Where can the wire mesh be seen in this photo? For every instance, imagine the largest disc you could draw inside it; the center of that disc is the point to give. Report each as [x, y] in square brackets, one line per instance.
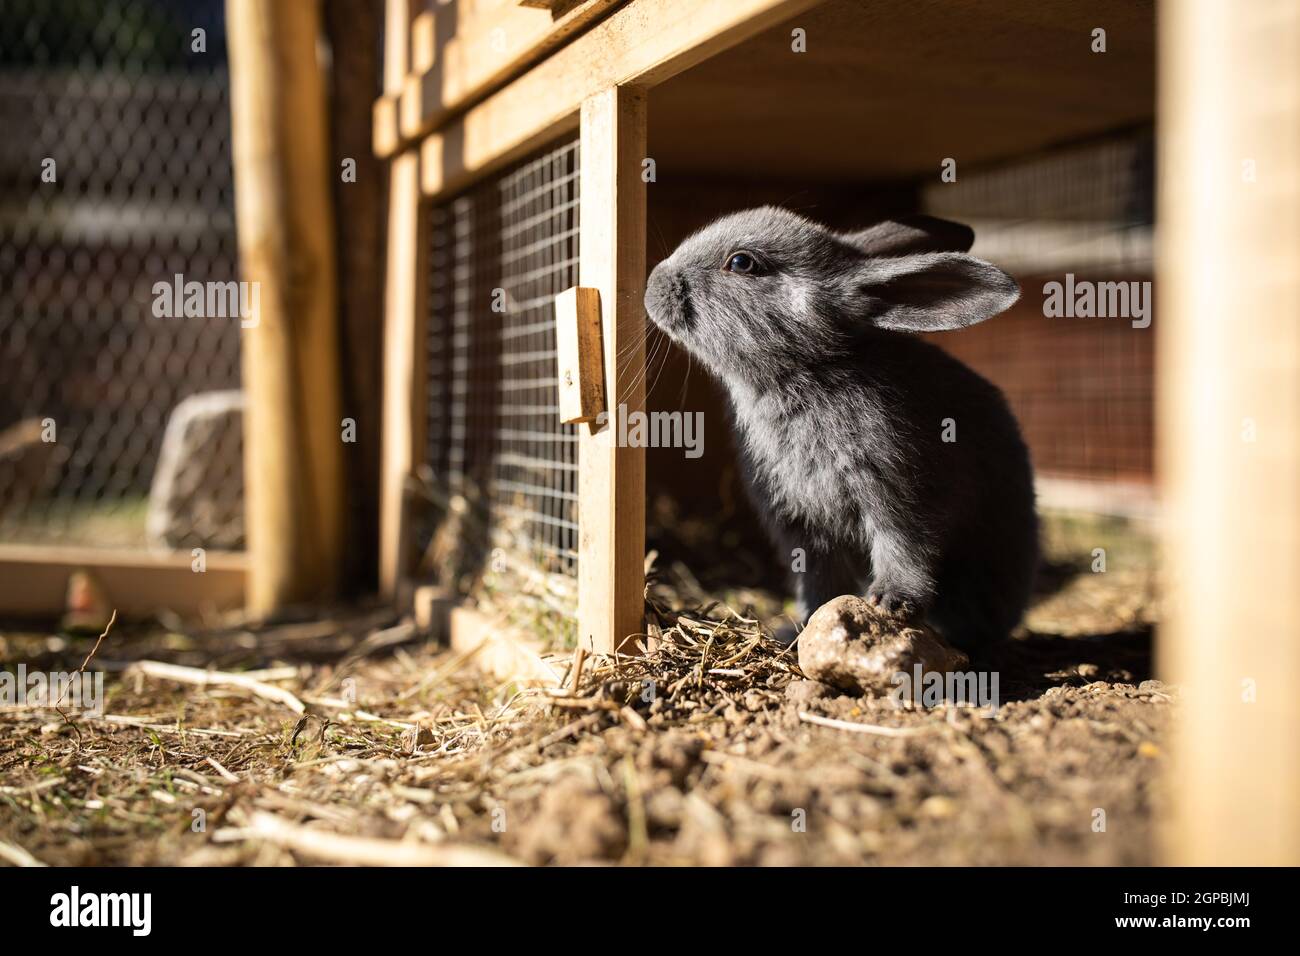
[502, 468]
[115, 175]
[1082, 388]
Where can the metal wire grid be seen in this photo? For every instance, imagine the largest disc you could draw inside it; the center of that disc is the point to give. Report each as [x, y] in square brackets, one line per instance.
[1082, 388]
[137, 126]
[498, 257]
[536, 480]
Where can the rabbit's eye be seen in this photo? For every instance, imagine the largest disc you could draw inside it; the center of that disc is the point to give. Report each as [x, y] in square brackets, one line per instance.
[741, 262]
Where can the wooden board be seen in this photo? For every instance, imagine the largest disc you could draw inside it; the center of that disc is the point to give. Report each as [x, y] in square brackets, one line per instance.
[1228, 269]
[611, 479]
[34, 580]
[643, 42]
[404, 320]
[502, 652]
[579, 364]
[885, 91]
[888, 89]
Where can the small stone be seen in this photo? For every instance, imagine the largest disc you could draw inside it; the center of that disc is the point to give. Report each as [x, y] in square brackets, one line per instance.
[26, 456]
[197, 496]
[936, 808]
[663, 807]
[852, 645]
[413, 738]
[88, 609]
[1088, 671]
[803, 691]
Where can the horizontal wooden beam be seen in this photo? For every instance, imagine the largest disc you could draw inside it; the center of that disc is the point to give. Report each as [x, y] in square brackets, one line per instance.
[642, 43]
[504, 653]
[34, 580]
[484, 53]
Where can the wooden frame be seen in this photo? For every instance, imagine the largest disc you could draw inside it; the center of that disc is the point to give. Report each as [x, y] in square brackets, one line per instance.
[404, 318]
[596, 83]
[643, 43]
[438, 75]
[611, 479]
[397, 60]
[1226, 248]
[506, 655]
[34, 580]
[482, 54]
[404, 308]
[498, 651]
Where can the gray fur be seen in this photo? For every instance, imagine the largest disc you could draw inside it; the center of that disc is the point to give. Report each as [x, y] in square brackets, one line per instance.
[839, 412]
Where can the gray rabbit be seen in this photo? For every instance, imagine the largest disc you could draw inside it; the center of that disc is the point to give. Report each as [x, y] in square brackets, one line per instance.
[890, 468]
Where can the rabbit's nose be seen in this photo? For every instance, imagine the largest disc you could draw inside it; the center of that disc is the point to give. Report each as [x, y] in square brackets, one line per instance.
[659, 294]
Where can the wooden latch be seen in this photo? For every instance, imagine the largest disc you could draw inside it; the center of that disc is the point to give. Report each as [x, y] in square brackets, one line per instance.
[579, 358]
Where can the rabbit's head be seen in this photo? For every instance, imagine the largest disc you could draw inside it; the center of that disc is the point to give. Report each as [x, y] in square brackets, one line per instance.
[764, 291]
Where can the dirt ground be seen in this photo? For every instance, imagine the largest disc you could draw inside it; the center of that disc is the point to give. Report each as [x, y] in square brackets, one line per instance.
[406, 755]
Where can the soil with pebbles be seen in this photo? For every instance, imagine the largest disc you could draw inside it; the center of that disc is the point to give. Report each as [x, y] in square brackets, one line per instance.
[705, 752]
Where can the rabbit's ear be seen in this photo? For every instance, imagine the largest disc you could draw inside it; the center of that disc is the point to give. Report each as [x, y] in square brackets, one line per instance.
[933, 292]
[908, 235]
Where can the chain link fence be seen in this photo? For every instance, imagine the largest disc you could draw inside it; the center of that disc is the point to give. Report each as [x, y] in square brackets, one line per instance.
[115, 190]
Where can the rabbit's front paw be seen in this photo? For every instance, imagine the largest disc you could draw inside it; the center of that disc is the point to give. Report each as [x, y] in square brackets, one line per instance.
[891, 599]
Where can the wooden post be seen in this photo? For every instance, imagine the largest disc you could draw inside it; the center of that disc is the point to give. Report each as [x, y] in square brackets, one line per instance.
[1229, 425]
[353, 29]
[292, 449]
[611, 480]
[404, 303]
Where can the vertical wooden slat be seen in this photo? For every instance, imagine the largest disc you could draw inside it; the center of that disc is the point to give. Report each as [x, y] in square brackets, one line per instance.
[385, 133]
[290, 358]
[1229, 425]
[397, 44]
[353, 28]
[404, 300]
[404, 306]
[611, 480]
